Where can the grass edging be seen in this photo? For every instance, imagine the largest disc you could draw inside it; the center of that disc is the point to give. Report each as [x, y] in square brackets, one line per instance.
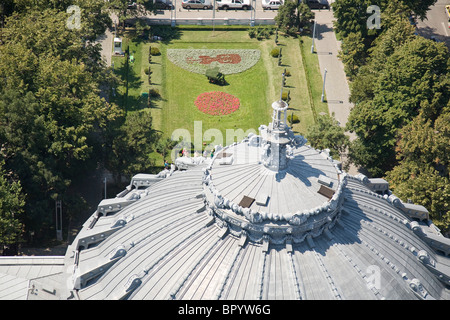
[308, 84]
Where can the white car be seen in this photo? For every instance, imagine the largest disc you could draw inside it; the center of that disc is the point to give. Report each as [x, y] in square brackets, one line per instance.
[233, 4]
[272, 4]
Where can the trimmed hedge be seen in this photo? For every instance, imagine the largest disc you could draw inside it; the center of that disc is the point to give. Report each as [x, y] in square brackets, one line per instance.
[275, 52]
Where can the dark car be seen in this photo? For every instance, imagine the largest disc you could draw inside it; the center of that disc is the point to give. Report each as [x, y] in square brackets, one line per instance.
[317, 4]
[162, 4]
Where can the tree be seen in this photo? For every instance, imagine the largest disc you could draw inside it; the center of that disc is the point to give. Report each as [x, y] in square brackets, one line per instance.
[132, 145]
[305, 16]
[419, 7]
[426, 142]
[94, 13]
[353, 54]
[165, 146]
[291, 17]
[51, 114]
[287, 18]
[327, 134]
[424, 186]
[411, 80]
[351, 16]
[11, 208]
[124, 10]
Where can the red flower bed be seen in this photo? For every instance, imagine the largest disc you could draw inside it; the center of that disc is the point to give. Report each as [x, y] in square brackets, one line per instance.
[217, 103]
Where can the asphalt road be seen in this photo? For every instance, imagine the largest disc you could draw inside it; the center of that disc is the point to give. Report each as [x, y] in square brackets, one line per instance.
[437, 24]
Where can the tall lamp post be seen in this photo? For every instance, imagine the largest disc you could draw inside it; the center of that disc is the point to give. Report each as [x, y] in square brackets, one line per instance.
[104, 181]
[174, 14]
[323, 87]
[214, 14]
[314, 34]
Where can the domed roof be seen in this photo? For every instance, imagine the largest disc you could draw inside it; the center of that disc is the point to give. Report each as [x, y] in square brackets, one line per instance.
[266, 218]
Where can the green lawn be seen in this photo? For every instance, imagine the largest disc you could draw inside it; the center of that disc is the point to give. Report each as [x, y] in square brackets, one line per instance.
[256, 88]
[314, 75]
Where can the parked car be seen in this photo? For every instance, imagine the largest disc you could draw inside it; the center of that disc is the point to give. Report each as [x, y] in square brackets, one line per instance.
[272, 4]
[317, 4]
[163, 4]
[196, 4]
[233, 4]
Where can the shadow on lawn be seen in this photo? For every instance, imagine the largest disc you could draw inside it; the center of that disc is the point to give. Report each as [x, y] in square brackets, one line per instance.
[166, 33]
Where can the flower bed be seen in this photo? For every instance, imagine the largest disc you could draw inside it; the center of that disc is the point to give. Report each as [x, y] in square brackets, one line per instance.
[217, 103]
[229, 61]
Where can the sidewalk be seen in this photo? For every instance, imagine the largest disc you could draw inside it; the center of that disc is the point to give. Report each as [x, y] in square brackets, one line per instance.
[106, 40]
[337, 91]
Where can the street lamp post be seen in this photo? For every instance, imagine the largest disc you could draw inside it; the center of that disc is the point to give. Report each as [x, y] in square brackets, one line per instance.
[214, 15]
[174, 14]
[58, 220]
[104, 181]
[314, 34]
[323, 87]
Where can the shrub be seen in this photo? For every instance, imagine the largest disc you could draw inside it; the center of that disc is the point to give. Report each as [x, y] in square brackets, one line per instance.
[287, 73]
[146, 70]
[252, 32]
[275, 52]
[154, 51]
[286, 96]
[260, 32]
[154, 93]
[293, 118]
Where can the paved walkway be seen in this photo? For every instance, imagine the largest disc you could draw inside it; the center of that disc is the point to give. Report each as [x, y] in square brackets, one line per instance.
[337, 91]
[106, 40]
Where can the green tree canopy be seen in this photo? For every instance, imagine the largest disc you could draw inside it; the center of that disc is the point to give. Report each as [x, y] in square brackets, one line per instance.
[413, 79]
[351, 15]
[11, 209]
[51, 113]
[132, 145]
[327, 134]
[291, 17]
[94, 13]
[353, 54]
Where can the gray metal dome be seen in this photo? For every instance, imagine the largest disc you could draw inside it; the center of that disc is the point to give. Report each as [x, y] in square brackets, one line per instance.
[232, 227]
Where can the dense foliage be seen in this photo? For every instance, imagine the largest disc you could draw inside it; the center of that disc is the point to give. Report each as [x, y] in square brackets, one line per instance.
[293, 17]
[328, 134]
[400, 89]
[55, 123]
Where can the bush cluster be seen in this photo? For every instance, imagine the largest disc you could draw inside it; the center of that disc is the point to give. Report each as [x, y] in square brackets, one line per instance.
[275, 52]
[286, 96]
[154, 51]
[292, 118]
[261, 32]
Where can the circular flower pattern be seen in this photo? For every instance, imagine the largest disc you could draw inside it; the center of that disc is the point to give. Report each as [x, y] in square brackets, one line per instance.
[217, 103]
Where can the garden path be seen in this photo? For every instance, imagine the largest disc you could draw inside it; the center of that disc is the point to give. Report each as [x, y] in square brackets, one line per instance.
[336, 86]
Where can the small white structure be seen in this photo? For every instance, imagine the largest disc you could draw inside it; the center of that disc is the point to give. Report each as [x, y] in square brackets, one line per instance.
[118, 46]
